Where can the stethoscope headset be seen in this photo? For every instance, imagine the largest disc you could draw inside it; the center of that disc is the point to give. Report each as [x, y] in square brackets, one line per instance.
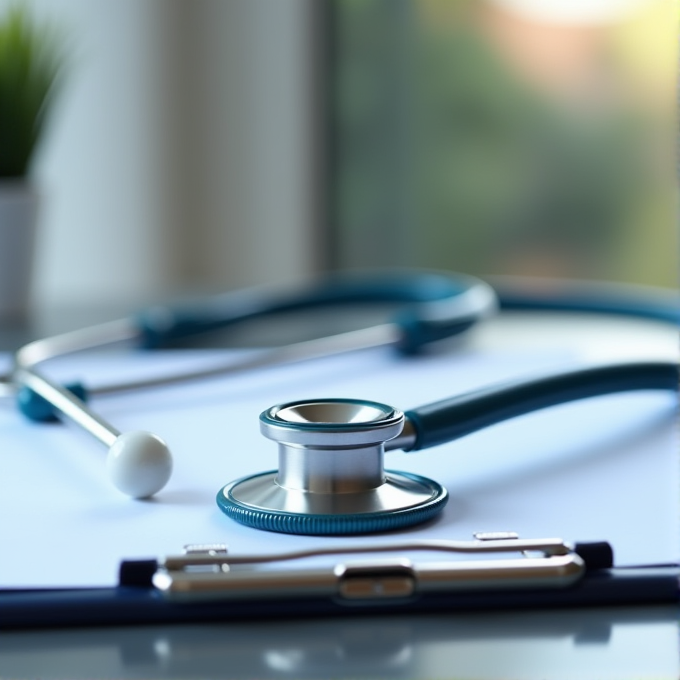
[331, 479]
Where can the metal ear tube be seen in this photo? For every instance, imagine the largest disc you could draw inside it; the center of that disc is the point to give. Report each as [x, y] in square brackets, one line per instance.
[138, 463]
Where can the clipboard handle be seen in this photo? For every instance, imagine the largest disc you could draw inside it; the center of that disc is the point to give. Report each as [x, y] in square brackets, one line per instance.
[212, 573]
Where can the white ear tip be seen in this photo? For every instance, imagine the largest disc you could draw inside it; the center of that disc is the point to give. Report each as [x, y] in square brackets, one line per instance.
[139, 464]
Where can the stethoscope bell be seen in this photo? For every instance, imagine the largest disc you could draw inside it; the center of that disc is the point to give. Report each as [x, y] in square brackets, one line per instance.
[331, 479]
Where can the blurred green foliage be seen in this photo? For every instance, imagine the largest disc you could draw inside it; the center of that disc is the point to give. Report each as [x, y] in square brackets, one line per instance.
[31, 58]
[446, 157]
[505, 172]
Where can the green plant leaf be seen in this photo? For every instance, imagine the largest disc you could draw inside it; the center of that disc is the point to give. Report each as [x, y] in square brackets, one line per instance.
[31, 59]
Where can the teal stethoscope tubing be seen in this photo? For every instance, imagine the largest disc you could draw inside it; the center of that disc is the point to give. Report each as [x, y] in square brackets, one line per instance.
[432, 307]
[265, 500]
[650, 307]
[450, 419]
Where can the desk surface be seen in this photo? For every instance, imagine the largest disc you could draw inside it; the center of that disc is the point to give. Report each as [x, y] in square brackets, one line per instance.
[616, 643]
[619, 644]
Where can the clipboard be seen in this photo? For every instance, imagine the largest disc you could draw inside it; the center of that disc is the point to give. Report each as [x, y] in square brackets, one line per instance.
[570, 472]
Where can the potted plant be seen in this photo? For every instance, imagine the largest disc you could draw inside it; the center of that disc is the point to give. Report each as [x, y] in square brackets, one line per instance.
[30, 63]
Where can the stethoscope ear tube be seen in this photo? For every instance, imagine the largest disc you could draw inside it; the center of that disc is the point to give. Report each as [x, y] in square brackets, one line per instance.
[436, 306]
[449, 419]
[430, 322]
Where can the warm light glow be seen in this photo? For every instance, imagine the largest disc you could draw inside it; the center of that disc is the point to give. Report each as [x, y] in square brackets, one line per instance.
[583, 12]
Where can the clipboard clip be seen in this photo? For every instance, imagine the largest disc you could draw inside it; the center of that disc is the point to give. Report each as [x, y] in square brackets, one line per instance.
[493, 561]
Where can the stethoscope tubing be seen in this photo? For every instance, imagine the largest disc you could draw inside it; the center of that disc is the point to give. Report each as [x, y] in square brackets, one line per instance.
[435, 307]
[331, 480]
[450, 419]
[365, 338]
[631, 301]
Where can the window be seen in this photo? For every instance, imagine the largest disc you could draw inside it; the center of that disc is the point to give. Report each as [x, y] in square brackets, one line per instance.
[506, 137]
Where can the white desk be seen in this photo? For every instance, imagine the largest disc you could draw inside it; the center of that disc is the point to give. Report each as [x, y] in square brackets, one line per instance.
[612, 643]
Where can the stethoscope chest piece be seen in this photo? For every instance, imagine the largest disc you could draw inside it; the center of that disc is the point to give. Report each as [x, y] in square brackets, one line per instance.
[331, 479]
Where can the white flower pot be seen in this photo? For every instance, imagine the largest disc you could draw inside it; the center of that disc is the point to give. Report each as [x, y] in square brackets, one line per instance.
[18, 225]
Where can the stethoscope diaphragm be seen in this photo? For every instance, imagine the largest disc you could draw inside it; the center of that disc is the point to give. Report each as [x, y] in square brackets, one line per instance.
[331, 479]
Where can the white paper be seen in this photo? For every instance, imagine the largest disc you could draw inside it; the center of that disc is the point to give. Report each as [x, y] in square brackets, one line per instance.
[601, 469]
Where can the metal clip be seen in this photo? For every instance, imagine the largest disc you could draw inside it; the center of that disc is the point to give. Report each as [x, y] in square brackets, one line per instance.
[212, 549]
[206, 572]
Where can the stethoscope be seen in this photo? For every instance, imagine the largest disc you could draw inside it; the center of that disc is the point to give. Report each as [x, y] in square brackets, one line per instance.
[331, 478]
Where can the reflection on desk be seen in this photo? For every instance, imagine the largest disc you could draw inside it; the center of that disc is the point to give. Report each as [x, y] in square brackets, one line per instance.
[616, 643]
